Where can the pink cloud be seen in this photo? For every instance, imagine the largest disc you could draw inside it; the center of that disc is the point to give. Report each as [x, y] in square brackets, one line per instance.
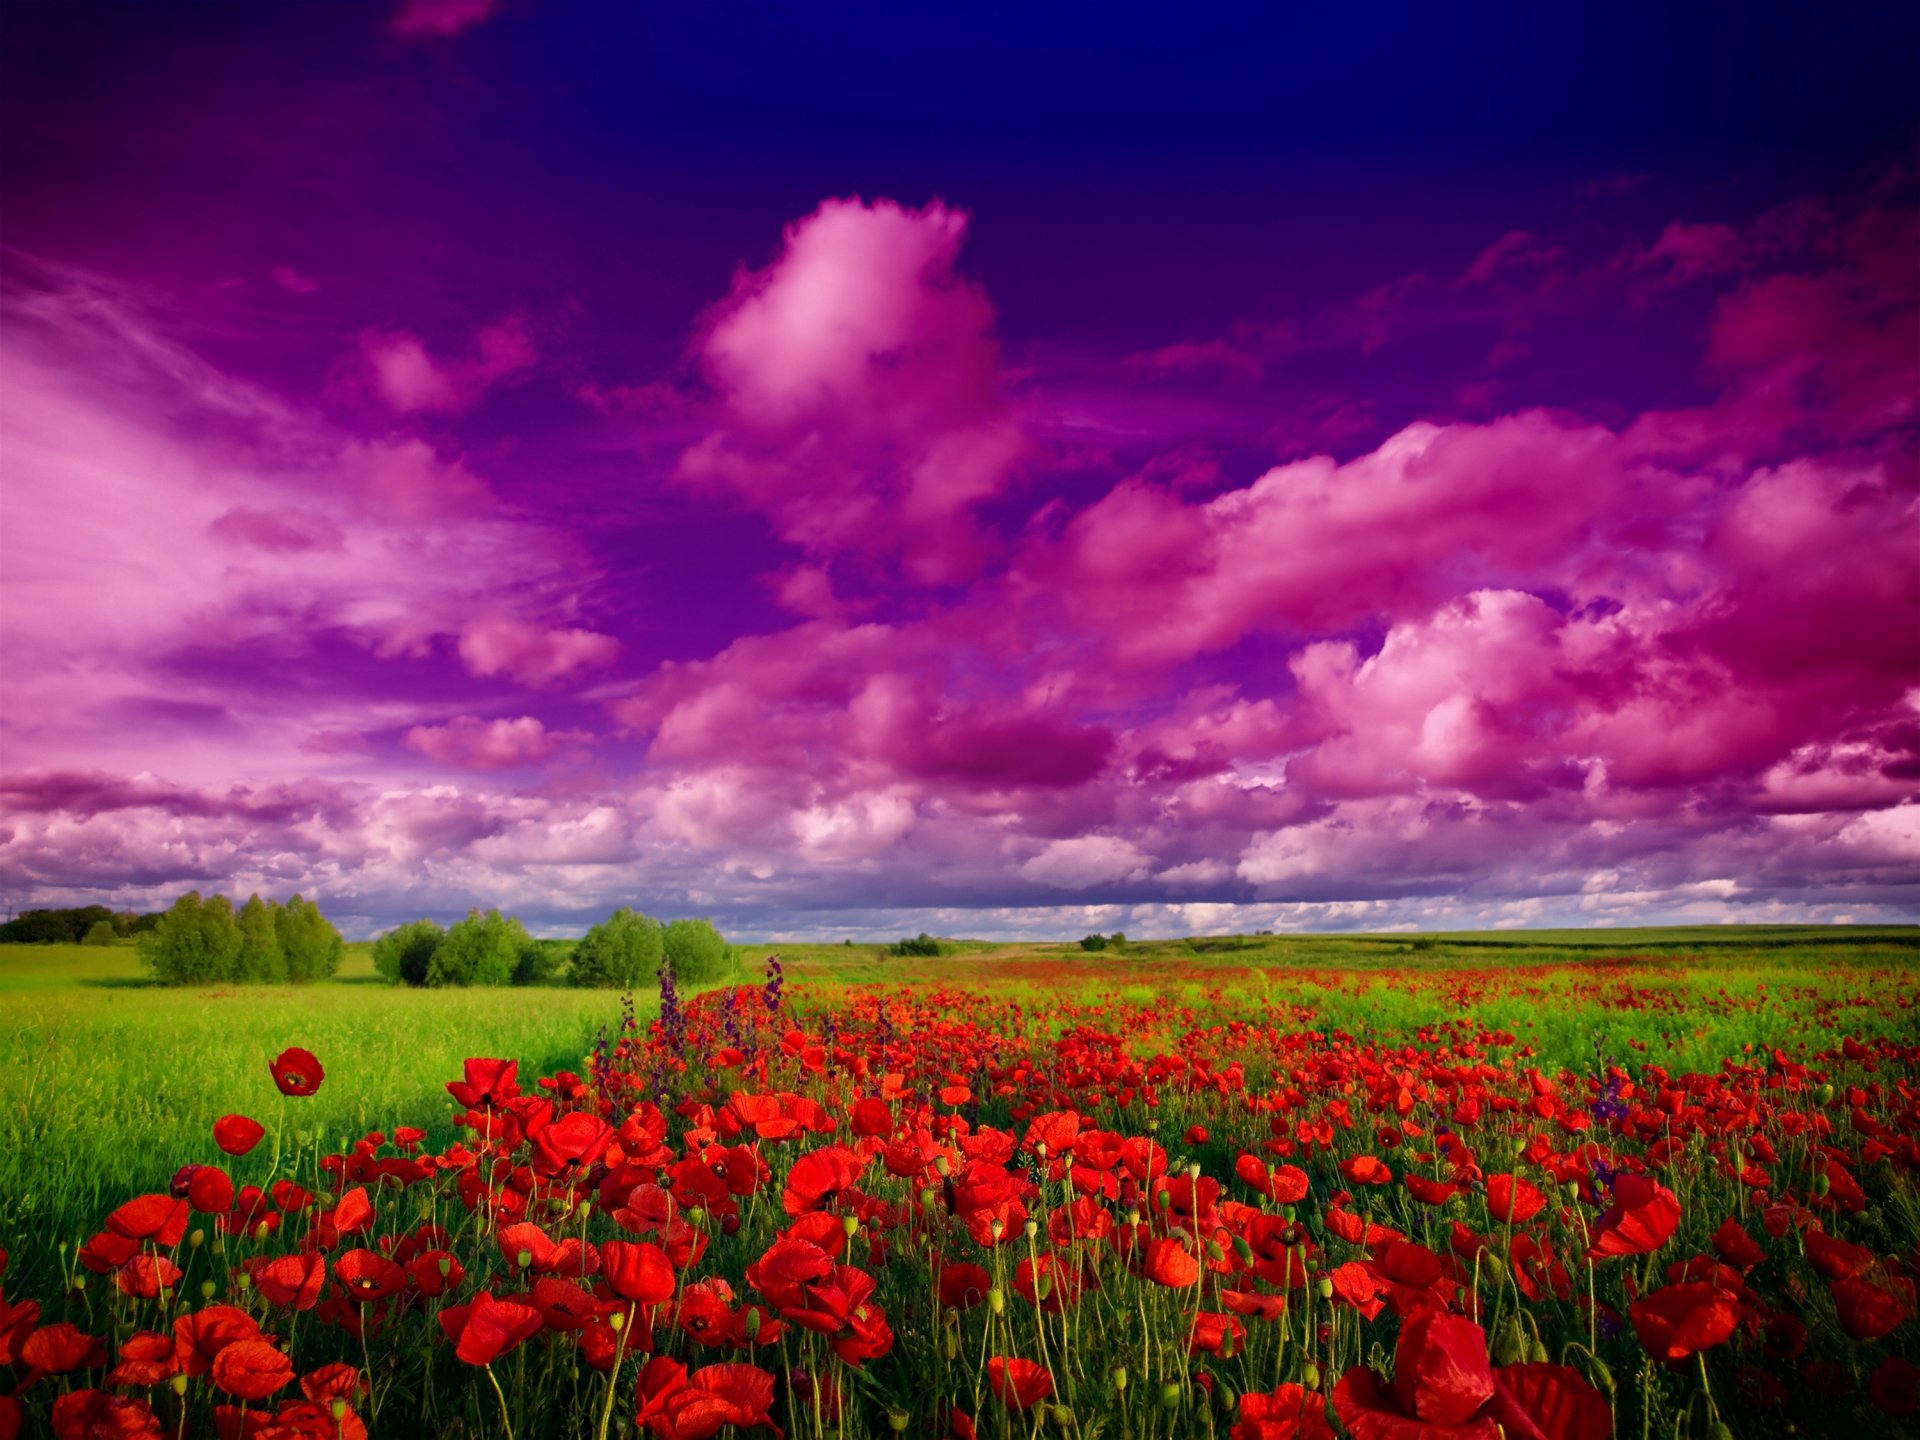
[470, 743]
[286, 531]
[531, 655]
[410, 380]
[292, 281]
[1690, 252]
[1516, 250]
[424, 19]
[859, 379]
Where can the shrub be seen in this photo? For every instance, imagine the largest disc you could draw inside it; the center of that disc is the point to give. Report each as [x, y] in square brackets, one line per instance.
[623, 952]
[697, 954]
[541, 961]
[921, 944]
[483, 949]
[196, 942]
[404, 956]
[101, 932]
[311, 946]
[1093, 942]
[261, 956]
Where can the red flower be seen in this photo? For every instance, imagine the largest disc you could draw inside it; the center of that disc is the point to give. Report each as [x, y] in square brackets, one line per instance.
[637, 1271]
[291, 1280]
[1895, 1387]
[199, 1338]
[88, 1414]
[678, 1406]
[1289, 1413]
[367, 1276]
[236, 1134]
[1549, 1402]
[1872, 1303]
[338, 1381]
[146, 1358]
[489, 1083]
[487, 1328]
[1168, 1263]
[818, 1177]
[296, 1071]
[62, 1348]
[578, 1139]
[251, 1370]
[1441, 1379]
[1512, 1200]
[1018, 1384]
[210, 1192]
[1643, 1218]
[159, 1218]
[1735, 1246]
[1677, 1320]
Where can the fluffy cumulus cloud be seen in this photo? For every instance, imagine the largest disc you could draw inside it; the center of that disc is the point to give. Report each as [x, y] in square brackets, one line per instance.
[859, 381]
[1544, 665]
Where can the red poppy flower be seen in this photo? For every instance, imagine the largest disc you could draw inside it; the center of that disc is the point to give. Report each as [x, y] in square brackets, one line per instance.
[707, 1401]
[366, 1276]
[85, 1414]
[1833, 1257]
[338, 1381]
[784, 1270]
[818, 1177]
[1549, 1402]
[1018, 1384]
[236, 1134]
[1895, 1387]
[562, 1304]
[210, 1192]
[1675, 1321]
[1643, 1218]
[251, 1370]
[1872, 1303]
[489, 1083]
[1289, 1413]
[1167, 1262]
[1513, 1201]
[145, 1276]
[296, 1071]
[637, 1271]
[146, 1358]
[1734, 1245]
[198, 1338]
[962, 1286]
[486, 1329]
[61, 1348]
[578, 1139]
[159, 1218]
[290, 1280]
[1365, 1170]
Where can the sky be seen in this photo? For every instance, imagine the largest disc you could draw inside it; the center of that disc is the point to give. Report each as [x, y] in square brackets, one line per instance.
[850, 470]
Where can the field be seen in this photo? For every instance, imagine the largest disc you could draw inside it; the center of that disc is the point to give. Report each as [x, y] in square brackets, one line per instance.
[1573, 1185]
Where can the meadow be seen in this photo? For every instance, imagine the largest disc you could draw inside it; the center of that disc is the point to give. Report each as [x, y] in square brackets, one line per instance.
[1566, 1184]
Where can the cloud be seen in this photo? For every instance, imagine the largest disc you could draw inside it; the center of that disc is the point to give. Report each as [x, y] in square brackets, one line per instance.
[292, 281]
[530, 654]
[1085, 862]
[858, 381]
[470, 743]
[1516, 250]
[411, 381]
[435, 19]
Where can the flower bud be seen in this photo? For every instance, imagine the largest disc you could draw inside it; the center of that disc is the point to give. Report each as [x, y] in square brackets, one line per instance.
[1120, 1379]
[523, 1259]
[849, 1225]
[178, 1384]
[997, 1300]
[207, 1287]
[898, 1420]
[1310, 1377]
[750, 1323]
[337, 1408]
[617, 1322]
[1170, 1396]
[1060, 1415]
[1325, 1287]
[196, 1239]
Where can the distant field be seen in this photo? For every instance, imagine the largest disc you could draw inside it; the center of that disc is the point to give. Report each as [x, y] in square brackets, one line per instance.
[108, 1082]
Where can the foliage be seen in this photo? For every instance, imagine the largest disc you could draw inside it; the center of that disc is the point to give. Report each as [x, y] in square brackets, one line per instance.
[698, 954]
[196, 943]
[1093, 942]
[261, 957]
[622, 952]
[921, 944]
[101, 932]
[62, 927]
[483, 949]
[311, 945]
[542, 962]
[404, 956]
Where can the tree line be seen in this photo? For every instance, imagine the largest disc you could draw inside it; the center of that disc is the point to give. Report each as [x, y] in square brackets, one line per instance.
[625, 952]
[206, 941]
[75, 925]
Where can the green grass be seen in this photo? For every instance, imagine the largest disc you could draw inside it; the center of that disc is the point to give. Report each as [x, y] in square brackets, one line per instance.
[108, 1082]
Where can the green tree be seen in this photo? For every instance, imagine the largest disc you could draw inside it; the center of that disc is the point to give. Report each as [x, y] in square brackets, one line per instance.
[1093, 942]
[921, 944]
[261, 958]
[310, 943]
[101, 932]
[698, 954]
[483, 949]
[541, 961]
[623, 952]
[405, 956]
[197, 942]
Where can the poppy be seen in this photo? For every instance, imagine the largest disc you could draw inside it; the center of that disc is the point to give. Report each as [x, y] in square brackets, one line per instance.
[366, 1276]
[1872, 1303]
[236, 1134]
[1288, 1413]
[818, 1177]
[85, 1414]
[199, 1337]
[146, 1358]
[290, 1280]
[1540, 1401]
[1167, 1262]
[62, 1348]
[1018, 1384]
[486, 1328]
[488, 1084]
[1513, 1201]
[1675, 1321]
[296, 1071]
[1643, 1217]
[159, 1218]
[637, 1271]
[338, 1381]
[144, 1276]
[251, 1370]
[1895, 1387]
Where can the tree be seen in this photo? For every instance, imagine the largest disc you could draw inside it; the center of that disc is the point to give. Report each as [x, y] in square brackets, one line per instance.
[310, 943]
[542, 960]
[622, 953]
[101, 932]
[483, 949]
[1093, 942]
[404, 956]
[921, 944]
[697, 953]
[261, 959]
[197, 942]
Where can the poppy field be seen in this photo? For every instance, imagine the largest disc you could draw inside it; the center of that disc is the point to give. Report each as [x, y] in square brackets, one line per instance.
[1387, 1189]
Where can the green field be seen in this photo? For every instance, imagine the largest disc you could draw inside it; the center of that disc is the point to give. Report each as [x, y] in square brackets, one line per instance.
[108, 1082]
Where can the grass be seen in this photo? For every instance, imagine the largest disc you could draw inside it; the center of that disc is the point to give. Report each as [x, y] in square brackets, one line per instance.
[107, 1081]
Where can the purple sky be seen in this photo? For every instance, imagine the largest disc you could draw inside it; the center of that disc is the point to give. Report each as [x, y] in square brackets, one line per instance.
[1002, 477]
